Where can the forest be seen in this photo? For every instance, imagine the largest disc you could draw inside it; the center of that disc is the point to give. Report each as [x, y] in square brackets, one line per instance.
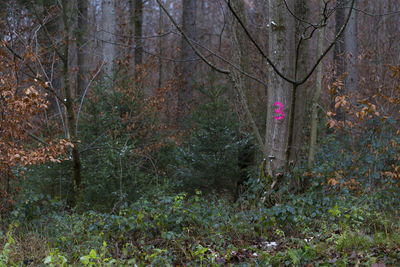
[199, 133]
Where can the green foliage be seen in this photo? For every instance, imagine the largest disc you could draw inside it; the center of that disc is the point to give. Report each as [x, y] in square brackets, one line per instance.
[117, 133]
[55, 258]
[364, 156]
[4, 256]
[194, 230]
[118, 149]
[209, 158]
[349, 241]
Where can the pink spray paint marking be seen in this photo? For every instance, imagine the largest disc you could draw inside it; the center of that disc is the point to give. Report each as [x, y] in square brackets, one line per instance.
[279, 111]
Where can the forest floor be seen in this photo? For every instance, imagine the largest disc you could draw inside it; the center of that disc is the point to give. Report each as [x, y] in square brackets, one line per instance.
[311, 229]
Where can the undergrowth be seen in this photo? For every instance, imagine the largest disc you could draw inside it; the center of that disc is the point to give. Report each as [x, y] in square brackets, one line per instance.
[197, 230]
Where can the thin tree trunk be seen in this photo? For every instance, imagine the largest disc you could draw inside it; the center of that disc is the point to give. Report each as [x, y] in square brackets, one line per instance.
[160, 63]
[138, 34]
[351, 46]
[187, 67]
[338, 53]
[109, 37]
[69, 104]
[83, 46]
[95, 44]
[317, 93]
[241, 48]
[240, 57]
[302, 54]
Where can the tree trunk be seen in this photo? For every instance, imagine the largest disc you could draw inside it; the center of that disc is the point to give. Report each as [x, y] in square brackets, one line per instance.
[351, 45]
[302, 56]
[187, 67]
[317, 93]
[281, 50]
[160, 50]
[240, 45]
[109, 37]
[338, 53]
[69, 104]
[138, 34]
[83, 46]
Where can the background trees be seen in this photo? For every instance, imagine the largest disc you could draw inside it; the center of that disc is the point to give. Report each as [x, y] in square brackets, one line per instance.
[164, 132]
[271, 72]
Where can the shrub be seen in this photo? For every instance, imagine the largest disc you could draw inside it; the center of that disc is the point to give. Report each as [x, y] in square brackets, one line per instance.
[213, 157]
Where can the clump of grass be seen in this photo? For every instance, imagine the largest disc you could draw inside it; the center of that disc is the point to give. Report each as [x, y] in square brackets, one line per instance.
[350, 241]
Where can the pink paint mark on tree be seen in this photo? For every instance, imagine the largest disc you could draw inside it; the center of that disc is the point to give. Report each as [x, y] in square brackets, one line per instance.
[279, 111]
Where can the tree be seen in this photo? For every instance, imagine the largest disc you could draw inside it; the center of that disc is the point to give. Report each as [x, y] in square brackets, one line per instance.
[20, 111]
[66, 97]
[83, 46]
[317, 91]
[301, 11]
[283, 95]
[138, 32]
[108, 23]
[351, 48]
[160, 49]
[338, 54]
[69, 102]
[281, 48]
[240, 45]
[187, 68]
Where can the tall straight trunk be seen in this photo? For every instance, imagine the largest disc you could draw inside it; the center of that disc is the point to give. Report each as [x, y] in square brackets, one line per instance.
[338, 53]
[95, 43]
[187, 67]
[281, 50]
[351, 46]
[138, 33]
[302, 55]
[317, 93]
[241, 48]
[108, 8]
[160, 50]
[83, 46]
[69, 105]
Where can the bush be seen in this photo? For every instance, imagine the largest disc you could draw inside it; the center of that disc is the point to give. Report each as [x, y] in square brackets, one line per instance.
[119, 144]
[215, 155]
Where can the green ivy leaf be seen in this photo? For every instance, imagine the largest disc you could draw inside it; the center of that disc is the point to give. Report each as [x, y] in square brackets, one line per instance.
[48, 260]
[93, 254]
[85, 260]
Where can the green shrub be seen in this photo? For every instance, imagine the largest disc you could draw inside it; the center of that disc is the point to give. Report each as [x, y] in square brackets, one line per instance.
[209, 159]
[119, 140]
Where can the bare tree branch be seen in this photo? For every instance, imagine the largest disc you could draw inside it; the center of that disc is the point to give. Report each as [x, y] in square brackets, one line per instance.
[197, 52]
[46, 31]
[329, 47]
[257, 45]
[83, 97]
[228, 62]
[34, 73]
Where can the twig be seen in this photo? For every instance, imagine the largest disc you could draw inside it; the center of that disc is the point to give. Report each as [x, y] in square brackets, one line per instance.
[83, 97]
[197, 52]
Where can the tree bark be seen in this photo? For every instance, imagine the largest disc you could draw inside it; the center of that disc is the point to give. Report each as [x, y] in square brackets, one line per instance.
[281, 50]
[69, 105]
[83, 46]
[351, 46]
[338, 53]
[160, 49]
[240, 46]
[302, 55]
[109, 38]
[317, 93]
[138, 31]
[187, 67]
